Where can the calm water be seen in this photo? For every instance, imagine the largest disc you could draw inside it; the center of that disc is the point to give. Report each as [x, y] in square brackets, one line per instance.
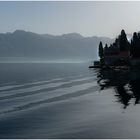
[68, 101]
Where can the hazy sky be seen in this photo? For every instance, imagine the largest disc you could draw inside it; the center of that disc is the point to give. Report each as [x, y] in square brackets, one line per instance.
[87, 18]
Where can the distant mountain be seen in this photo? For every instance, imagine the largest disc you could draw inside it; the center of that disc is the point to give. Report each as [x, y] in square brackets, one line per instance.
[44, 46]
[72, 36]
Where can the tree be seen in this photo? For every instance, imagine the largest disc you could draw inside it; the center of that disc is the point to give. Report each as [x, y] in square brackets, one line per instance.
[138, 44]
[101, 50]
[123, 42]
[106, 47]
[135, 50]
[117, 42]
[132, 48]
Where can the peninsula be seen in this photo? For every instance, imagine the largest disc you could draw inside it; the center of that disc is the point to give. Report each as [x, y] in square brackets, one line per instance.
[122, 53]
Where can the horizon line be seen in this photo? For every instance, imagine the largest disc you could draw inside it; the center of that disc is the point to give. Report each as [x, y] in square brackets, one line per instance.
[8, 32]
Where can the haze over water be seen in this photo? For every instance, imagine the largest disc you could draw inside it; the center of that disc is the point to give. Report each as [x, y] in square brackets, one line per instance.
[40, 100]
[46, 88]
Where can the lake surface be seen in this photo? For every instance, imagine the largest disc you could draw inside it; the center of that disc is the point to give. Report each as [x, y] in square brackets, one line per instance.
[65, 100]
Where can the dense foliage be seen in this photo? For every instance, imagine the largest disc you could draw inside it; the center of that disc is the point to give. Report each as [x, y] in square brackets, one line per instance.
[122, 44]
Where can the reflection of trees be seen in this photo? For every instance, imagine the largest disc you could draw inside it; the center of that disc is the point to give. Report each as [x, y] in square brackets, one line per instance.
[135, 88]
[126, 84]
[123, 96]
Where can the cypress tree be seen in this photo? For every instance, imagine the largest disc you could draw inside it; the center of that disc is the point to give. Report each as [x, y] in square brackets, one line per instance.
[101, 51]
[134, 45]
[138, 44]
[123, 42]
[105, 49]
[132, 48]
[106, 46]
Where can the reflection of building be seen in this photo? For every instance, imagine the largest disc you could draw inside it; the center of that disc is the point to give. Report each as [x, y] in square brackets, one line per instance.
[113, 55]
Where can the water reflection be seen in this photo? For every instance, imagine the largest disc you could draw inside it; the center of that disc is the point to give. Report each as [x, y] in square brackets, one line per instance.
[125, 82]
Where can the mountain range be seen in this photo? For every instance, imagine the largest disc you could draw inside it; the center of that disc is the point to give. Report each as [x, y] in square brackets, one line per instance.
[23, 44]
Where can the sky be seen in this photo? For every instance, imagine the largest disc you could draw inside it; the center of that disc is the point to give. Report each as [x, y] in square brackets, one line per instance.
[89, 18]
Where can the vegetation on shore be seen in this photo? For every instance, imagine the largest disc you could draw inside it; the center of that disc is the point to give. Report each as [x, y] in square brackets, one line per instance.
[121, 48]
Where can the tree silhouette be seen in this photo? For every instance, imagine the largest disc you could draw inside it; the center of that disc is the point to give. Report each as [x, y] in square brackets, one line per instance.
[135, 49]
[123, 42]
[101, 50]
[105, 48]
